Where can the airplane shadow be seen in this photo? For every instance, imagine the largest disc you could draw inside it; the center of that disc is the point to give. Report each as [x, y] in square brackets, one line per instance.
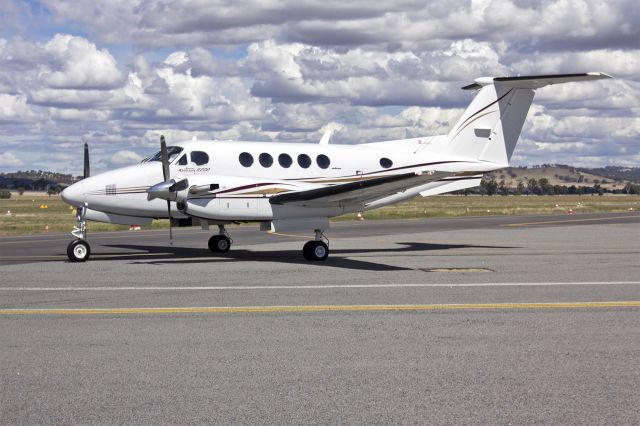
[338, 258]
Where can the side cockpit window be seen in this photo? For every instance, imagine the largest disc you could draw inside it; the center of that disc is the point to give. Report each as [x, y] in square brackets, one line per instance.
[172, 152]
[182, 161]
[199, 158]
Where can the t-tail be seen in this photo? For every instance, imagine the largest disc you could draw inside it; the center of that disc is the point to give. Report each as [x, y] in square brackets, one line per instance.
[489, 128]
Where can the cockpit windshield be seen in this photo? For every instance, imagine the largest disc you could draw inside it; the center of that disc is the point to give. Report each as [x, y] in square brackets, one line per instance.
[172, 152]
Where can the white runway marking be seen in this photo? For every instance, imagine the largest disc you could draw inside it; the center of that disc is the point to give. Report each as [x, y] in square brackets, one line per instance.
[315, 287]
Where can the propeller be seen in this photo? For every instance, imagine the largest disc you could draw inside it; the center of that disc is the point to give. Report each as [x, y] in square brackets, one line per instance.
[164, 155]
[86, 160]
[167, 189]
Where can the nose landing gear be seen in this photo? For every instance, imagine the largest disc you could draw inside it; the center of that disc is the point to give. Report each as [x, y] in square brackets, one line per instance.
[79, 250]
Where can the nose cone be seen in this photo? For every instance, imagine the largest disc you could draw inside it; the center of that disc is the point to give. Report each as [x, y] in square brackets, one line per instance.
[74, 194]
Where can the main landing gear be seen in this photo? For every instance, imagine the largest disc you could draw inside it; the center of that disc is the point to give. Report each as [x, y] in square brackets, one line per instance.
[316, 250]
[220, 243]
[79, 250]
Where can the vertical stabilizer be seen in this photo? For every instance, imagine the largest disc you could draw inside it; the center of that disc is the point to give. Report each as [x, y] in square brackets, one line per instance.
[490, 127]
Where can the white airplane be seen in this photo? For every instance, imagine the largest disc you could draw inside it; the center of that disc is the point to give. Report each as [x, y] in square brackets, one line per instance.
[299, 186]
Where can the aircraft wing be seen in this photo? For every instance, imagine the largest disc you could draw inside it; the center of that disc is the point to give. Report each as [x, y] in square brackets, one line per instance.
[359, 191]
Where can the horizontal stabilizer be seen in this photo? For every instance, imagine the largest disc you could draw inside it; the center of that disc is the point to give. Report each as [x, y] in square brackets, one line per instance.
[452, 185]
[535, 81]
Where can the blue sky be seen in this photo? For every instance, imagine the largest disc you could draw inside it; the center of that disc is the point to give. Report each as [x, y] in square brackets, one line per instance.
[117, 74]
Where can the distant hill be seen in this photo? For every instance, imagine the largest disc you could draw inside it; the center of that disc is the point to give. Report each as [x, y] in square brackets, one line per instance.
[609, 178]
[36, 180]
[631, 174]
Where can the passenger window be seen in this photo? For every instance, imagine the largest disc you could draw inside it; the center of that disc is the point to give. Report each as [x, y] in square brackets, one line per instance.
[386, 163]
[323, 161]
[246, 159]
[285, 160]
[199, 158]
[182, 161]
[265, 159]
[304, 161]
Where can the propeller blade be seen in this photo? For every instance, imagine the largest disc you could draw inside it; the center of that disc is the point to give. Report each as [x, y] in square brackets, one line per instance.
[164, 155]
[165, 158]
[170, 230]
[86, 161]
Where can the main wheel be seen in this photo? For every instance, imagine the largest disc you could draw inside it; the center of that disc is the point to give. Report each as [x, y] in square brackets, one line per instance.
[315, 251]
[78, 250]
[306, 250]
[219, 244]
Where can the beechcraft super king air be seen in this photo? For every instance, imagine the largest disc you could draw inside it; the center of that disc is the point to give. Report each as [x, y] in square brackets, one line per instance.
[299, 186]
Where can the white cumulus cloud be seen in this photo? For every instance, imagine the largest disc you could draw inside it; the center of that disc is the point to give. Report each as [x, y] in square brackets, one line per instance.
[9, 159]
[79, 64]
[123, 158]
[15, 108]
[119, 73]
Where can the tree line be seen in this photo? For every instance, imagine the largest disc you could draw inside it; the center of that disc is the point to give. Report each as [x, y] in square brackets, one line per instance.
[544, 187]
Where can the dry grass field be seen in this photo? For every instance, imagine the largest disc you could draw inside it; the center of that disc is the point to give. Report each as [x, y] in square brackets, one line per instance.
[476, 205]
[28, 215]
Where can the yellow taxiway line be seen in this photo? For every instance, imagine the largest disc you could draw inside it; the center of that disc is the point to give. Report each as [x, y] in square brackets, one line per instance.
[318, 308]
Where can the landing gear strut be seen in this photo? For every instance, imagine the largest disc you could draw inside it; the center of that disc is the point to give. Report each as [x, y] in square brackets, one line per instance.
[79, 250]
[316, 250]
[220, 243]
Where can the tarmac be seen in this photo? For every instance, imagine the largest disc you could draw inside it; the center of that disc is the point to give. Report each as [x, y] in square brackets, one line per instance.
[515, 319]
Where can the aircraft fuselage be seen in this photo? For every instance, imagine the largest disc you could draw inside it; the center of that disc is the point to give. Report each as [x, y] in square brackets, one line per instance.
[238, 178]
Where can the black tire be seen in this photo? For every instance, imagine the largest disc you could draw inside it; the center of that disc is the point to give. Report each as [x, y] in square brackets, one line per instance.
[78, 250]
[315, 251]
[306, 250]
[219, 244]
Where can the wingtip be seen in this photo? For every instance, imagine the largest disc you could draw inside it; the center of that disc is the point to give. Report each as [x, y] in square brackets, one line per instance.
[599, 74]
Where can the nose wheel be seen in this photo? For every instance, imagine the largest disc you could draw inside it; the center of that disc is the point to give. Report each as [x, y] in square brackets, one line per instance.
[78, 250]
